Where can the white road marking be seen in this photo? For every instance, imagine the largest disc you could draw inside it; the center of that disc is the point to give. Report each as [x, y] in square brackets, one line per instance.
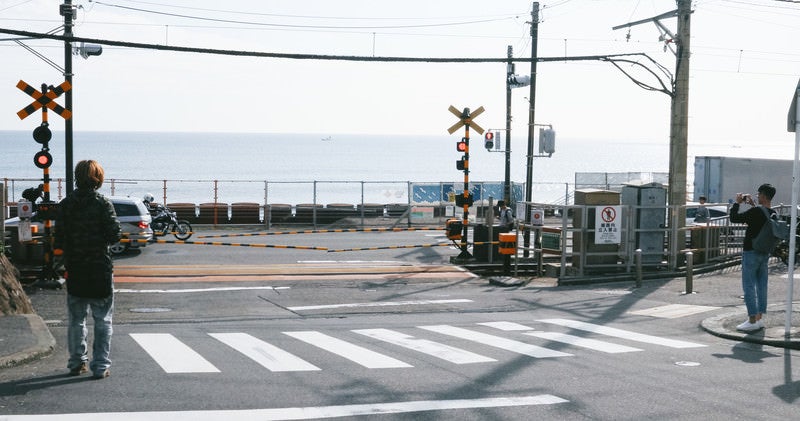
[268, 355]
[673, 311]
[188, 290]
[594, 344]
[300, 413]
[438, 350]
[378, 304]
[173, 355]
[354, 353]
[506, 326]
[624, 334]
[496, 341]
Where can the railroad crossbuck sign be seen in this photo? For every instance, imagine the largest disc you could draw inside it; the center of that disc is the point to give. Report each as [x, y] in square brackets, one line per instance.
[465, 118]
[46, 99]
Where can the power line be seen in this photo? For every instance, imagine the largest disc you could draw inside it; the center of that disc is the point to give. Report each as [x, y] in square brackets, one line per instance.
[39, 35]
[278, 25]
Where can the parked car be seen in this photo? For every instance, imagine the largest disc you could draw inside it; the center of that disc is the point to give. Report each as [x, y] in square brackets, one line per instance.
[715, 211]
[133, 217]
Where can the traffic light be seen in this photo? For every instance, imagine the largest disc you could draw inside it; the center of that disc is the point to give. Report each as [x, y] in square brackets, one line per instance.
[489, 140]
[461, 145]
[43, 159]
[461, 164]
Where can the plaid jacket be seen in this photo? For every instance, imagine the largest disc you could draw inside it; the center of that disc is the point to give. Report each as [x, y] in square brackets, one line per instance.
[85, 227]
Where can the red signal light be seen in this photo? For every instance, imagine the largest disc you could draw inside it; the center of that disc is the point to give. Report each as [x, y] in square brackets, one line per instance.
[43, 159]
[461, 145]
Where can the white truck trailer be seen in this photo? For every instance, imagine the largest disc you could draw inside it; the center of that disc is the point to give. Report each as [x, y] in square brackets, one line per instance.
[719, 178]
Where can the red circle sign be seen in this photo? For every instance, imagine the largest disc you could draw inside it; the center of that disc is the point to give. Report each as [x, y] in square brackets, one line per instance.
[608, 214]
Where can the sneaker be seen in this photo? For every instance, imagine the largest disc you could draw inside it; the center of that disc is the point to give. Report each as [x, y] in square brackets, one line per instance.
[77, 371]
[760, 324]
[750, 327]
[101, 375]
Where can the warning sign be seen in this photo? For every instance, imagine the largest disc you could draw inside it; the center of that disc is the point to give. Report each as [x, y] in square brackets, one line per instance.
[608, 229]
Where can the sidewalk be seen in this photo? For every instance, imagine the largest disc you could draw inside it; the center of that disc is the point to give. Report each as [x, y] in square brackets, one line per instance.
[25, 338]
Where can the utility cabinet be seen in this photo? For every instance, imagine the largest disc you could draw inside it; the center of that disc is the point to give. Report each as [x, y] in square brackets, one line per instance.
[648, 202]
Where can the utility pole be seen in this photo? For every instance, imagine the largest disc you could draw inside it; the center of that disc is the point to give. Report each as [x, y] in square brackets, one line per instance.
[679, 125]
[68, 12]
[531, 122]
[509, 74]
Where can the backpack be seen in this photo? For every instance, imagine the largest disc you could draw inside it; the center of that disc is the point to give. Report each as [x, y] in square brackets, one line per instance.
[772, 233]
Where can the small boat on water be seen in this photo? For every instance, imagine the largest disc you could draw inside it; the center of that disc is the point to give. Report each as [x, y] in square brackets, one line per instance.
[326, 139]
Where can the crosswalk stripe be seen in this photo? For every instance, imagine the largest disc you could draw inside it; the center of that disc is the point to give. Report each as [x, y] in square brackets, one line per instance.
[268, 355]
[355, 353]
[173, 355]
[673, 311]
[496, 341]
[624, 334]
[594, 344]
[438, 350]
[506, 326]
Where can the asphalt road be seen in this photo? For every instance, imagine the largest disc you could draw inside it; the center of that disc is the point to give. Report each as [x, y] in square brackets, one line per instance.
[393, 346]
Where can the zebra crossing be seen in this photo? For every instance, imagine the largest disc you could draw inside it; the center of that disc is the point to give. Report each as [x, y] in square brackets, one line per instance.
[175, 356]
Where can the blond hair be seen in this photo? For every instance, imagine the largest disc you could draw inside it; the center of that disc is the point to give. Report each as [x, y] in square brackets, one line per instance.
[89, 174]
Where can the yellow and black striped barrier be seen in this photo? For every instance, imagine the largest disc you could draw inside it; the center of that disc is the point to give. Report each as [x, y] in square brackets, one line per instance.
[390, 247]
[324, 231]
[219, 243]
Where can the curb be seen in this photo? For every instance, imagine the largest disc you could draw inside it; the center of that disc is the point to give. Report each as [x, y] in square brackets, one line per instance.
[43, 343]
[724, 326]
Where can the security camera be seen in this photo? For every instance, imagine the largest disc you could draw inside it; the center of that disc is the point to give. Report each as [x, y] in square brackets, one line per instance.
[86, 50]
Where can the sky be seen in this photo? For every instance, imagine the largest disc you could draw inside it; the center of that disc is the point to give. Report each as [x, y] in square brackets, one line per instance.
[745, 65]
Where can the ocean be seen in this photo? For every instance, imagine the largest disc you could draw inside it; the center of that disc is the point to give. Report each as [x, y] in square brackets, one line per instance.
[295, 168]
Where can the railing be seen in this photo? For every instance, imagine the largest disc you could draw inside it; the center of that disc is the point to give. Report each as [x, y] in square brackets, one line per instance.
[567, 241]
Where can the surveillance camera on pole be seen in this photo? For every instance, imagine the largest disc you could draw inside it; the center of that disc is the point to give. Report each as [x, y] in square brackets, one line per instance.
[517, 81]
[86, 50]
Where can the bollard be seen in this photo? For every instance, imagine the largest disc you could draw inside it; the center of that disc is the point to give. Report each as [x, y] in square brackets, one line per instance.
[508, 246]
[689, 272]
[638, 259]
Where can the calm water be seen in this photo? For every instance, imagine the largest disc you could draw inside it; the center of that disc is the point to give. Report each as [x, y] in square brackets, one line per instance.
[242, 162]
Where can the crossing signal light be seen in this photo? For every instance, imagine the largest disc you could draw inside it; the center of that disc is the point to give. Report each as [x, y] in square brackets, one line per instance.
[43, 159]
[42, 134]
[461, 164]
[489, 139]
[461, 145]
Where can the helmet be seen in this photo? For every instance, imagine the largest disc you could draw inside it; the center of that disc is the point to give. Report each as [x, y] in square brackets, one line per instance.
[148, 198]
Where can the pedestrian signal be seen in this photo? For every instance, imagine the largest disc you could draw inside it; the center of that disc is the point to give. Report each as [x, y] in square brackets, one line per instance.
[43, 159]
[489, 139]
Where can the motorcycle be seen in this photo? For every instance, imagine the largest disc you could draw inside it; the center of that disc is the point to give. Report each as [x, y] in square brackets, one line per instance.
[782, 249]
[166, 221]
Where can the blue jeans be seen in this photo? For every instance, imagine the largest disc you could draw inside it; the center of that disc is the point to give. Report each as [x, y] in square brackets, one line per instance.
[754, 281]
[102, 311]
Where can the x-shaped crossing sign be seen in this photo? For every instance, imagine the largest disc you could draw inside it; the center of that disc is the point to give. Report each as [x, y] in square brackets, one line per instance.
[44, 100]
[466, 118]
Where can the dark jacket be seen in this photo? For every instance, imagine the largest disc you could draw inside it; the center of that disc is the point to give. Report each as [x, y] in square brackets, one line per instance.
[85, 227]
[754, 218]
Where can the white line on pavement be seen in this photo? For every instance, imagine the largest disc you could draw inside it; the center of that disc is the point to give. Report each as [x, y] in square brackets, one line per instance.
[378, 304]
[300, 413]
[187, 290]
